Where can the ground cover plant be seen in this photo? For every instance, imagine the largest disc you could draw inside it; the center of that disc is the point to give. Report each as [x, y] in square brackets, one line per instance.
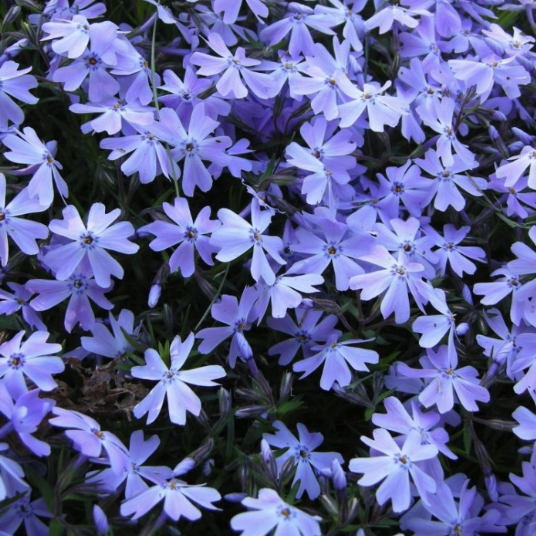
[267, 267]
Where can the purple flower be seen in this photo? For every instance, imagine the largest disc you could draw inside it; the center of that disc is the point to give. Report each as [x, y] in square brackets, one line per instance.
[11, 475]
[236, 78]
[337, 357]
[381, 109]
[194, 145]
[446, 380]
[172, 382]
[90, 440]
[395, 279]
[338, 247]
[441, 119]
[236, 236]
[231, 8]
[25, 415]
[285, 293]
[178, 497]
[71, 36]
[80, 286]
[17, 84]
[186, 232]
[90, 241]
[111, 344]
[24, 511]
[394, 465]
[31, 359]
[305, 460]
[27, 148]
[10, 303]
[136, 474]
[453, 517]
[93, 64]
[270, 512]
[238, 317]
[513, 170]
[114, 112]
[23, 232]
[304, 333]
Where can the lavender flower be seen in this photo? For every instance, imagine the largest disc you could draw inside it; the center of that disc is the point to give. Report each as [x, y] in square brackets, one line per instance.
[186, 232]
[31, 359]
[14, 83]
[394, 466]
[178, 497]
[27, 148]
[172, 381]
[271, 512]
[90, 241]
[305, 460]
[23, 232]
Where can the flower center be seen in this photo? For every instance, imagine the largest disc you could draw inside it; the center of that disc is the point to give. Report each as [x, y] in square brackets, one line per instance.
[189, 147]
[332, 250]
[2, 216]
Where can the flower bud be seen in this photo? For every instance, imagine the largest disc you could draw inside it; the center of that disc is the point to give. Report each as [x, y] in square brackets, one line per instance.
[154, 295]
[101, 521]
[462, 329]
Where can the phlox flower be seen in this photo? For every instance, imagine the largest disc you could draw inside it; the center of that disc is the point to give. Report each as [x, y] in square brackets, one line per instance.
[450, 252]
[395, 279]
[90, 241]
[236, 236]
[238, 317]
[23, 232]
[15, 83]
[112, 344]
[30, 359]
[335, 244]
[173, 382]
[445, 380]
[305, 332]
[79, 287]
[183, 230]
[236, 77]
[391, 13]
[193, 144]
[25, 512]
[394, 464]
[305, 459]
[71, 36]
[297, 21]
[25, 414]
[348, 14]
[441, 120]
[93, 65]
[494, 292]
[231, 8]
[135, 476]
[10, 303]
[178, 497]
[448, 180]
[27, 148]
[337, 357]
[398, 419]
[381, 109]
[453, 517]
[149, 157]
[327, 83]
[115, 115]
[285, 293]
[11, 475]
[90, 440]
[269, 512]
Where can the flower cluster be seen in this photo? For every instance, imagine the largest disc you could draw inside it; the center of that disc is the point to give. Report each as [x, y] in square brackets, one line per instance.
[224, 224]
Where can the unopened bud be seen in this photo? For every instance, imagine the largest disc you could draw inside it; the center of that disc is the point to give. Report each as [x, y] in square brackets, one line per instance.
[207, 467]
[101, 521]
[183, 467]
[462, 329]
[224, 398]
[287, 469]
[338, 476]
[154, 295]
[11, 15]
[286, 386]
[235, 497]
[330, 505]
[251, 411]
[203, 451]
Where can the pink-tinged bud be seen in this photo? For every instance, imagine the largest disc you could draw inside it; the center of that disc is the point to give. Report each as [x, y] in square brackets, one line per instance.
[266, 451]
